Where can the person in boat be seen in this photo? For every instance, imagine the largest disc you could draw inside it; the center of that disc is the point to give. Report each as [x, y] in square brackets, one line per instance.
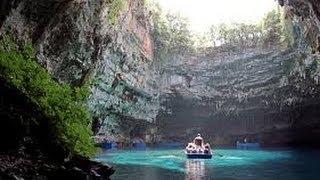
[198, 141]
[207, 148]
[191, 148]
[245, 140]
[198, 146]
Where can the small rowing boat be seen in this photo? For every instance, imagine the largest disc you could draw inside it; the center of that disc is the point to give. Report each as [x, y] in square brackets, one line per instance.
[197, 155]
[198, 150]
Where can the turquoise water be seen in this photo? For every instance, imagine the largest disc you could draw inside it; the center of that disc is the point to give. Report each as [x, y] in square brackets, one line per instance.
[227, 164]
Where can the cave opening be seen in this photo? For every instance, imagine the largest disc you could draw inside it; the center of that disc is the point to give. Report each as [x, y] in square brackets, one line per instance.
[238, 75]
[80, 76]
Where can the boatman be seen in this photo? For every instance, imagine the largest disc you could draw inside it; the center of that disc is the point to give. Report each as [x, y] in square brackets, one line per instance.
[198, 146]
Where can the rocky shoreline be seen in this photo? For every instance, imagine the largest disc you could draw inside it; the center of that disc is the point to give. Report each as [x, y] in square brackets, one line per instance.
[21, 166]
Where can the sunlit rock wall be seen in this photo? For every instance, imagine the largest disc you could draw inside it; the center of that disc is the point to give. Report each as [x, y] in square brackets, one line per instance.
[266, 96]
[270, 96]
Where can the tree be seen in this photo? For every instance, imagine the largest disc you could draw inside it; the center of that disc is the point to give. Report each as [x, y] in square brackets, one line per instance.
[171, 32]
[180, 34]
[238, 35]
[272, 29]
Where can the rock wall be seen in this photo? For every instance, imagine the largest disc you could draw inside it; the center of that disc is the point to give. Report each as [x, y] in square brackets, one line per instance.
[227, 97]
[270, 96]
[76, 42]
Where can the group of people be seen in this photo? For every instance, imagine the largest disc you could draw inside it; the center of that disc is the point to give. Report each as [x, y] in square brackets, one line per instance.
[198, 146]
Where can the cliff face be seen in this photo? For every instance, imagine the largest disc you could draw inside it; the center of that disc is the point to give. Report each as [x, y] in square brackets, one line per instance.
[76, 41]
[271, 96]
[227, 97]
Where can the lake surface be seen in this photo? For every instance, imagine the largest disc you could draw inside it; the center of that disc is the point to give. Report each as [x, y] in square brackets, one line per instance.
[227, 164]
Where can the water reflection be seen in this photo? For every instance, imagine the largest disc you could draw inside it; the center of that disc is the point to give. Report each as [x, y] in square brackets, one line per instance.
[195, 169]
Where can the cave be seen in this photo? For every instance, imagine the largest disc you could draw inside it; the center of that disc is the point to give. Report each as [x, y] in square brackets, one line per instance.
[81, 77]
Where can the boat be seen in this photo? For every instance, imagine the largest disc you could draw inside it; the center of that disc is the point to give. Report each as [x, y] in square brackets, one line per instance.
[139, 143]
[105, 142]
[198, 150]
[248, 146]
[199, 155]
[109, 145]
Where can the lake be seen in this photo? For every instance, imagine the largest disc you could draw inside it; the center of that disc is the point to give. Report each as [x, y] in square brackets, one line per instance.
[227, 164]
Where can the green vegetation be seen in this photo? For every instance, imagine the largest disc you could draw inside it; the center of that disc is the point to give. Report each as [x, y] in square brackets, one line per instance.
[174, 37]
[115, 6]
[287, 33]
[273, 31]
[235, 35]
[62, 104]
[171, 32]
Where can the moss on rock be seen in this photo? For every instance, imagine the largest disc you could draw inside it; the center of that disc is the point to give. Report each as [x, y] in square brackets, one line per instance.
[63, 105]
[115, 7]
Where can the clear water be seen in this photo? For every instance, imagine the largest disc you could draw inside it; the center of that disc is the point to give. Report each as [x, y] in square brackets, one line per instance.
[227, 164]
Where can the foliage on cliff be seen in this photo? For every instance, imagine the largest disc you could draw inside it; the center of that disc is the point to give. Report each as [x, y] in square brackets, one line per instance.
[276, 30]
[171, 32]
[173, 35]
[62, 104]
[273, 31]
[235, 35]
[115, 6]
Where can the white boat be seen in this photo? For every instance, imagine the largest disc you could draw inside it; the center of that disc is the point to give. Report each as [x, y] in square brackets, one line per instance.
[198, 150]
[197, 155]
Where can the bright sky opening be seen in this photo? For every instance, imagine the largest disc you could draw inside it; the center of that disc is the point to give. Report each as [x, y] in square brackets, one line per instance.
[204, 13]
